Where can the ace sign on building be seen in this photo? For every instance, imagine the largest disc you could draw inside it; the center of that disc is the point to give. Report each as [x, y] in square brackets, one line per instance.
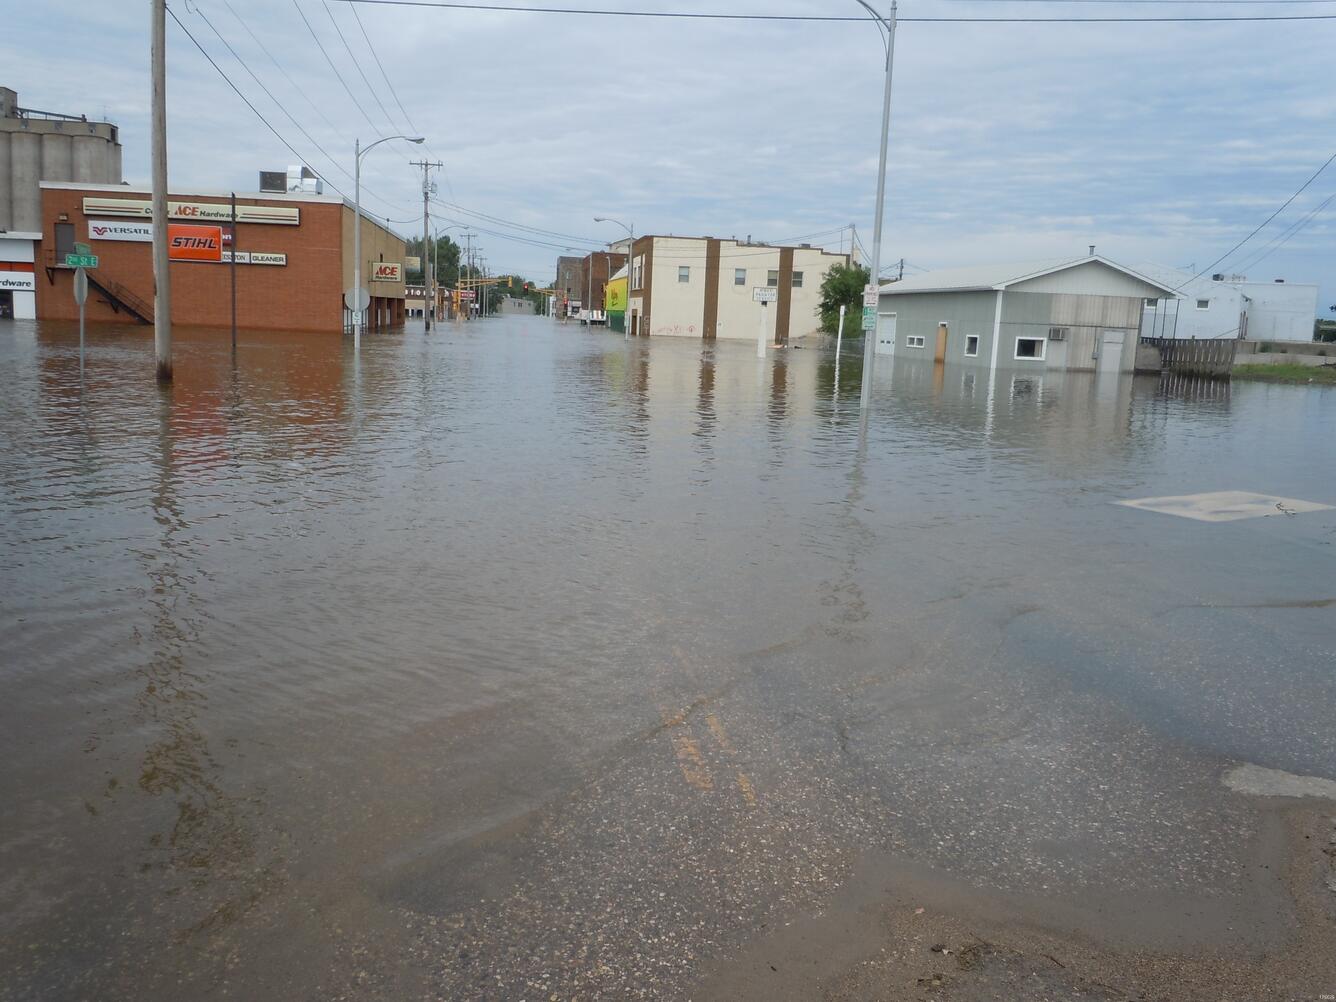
[387, 271]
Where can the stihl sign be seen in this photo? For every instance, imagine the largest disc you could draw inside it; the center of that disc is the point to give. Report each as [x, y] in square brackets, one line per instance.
[385, 271]
[194, 243]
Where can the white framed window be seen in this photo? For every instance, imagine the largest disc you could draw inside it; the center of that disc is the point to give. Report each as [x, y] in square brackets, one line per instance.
[684, 273]
[1030, 347]
[1152, 303]
[1203, 304]
[913, 340]
[637, 272]
[772, 279]
[971, 345]
[797, 280]
[739, 276]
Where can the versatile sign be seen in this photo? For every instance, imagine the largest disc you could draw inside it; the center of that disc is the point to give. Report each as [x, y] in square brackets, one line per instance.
[194, 243]
[871, 295]
[18, 281]
[387, 271]
[765, 295]
[211, 212]
[869, 318]
[80, 261]
[111, 229]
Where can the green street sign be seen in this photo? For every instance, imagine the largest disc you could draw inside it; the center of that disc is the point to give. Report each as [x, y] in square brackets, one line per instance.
[869, 318]
[81, 260]
[82, 248]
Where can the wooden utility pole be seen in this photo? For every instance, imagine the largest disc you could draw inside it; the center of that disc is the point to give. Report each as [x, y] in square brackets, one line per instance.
[162, 282]
[428, 270]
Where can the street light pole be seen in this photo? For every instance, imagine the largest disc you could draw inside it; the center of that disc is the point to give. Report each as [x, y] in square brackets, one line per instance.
[870, 337]
[358, 154]
[630, 270]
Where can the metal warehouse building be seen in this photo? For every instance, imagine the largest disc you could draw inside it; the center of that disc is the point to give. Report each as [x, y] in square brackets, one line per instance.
[1083, 313]
[294, 259]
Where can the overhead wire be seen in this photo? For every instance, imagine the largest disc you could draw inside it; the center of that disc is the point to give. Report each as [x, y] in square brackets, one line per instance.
[1293, 230]
[258, 114]
[829, 18]
[321, 45]
[358, 66]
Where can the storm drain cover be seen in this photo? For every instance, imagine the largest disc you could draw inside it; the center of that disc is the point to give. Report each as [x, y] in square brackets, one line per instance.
[1225, 506]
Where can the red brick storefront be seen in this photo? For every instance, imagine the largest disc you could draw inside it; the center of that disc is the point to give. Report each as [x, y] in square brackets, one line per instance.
[294, 260]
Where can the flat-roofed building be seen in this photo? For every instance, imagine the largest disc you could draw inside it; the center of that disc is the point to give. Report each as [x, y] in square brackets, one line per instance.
[704, 287]
[294, 259]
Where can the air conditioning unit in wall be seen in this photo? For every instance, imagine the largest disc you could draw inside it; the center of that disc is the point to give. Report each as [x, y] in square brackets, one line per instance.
[1057, 333]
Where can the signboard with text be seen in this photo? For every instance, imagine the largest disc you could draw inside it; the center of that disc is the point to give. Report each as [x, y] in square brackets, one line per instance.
[18, 281]
[212, 212]
[765, 295]
[113, 229]
[871, 295]
[869, 318]
[194, 243]
[387, 271]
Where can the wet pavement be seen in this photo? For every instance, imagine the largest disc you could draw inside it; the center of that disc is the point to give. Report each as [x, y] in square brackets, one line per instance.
[519, 661]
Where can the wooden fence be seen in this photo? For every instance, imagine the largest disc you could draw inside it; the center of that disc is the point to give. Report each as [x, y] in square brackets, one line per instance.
[1213, 358]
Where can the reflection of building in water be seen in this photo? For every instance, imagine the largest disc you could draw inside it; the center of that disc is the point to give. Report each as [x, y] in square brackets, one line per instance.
[1082, 314]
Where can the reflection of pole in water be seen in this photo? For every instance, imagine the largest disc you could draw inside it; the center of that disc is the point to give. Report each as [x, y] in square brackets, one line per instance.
[209, 848]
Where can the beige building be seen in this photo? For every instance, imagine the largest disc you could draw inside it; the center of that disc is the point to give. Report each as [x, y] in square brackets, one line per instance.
[702, 287]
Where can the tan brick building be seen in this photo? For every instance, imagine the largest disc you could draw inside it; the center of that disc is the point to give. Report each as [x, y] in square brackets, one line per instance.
[294, 259]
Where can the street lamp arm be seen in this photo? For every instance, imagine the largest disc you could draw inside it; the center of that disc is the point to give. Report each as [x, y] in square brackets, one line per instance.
[412, 139]
[881, 24]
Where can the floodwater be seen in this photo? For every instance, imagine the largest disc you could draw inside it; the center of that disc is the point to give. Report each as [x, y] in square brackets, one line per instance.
[519, 661]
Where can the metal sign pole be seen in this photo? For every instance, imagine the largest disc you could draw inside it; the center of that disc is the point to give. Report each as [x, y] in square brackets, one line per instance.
[234, 273]
[760, 335]
[80, 297]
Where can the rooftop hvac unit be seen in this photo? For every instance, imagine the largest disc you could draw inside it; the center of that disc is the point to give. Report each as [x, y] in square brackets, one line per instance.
[273, 180]
[302, 178]
[1217, 277]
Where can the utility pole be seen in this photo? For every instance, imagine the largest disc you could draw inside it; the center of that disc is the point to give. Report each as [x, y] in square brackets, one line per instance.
[233, 268]
[428, 280]
[901, 276]
[162, 283]
[870, 337]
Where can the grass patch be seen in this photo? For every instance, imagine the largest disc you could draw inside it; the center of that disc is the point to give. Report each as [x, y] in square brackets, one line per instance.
[1288, 372]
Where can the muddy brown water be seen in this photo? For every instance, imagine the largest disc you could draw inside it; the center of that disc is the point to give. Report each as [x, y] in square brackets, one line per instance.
[517, 661]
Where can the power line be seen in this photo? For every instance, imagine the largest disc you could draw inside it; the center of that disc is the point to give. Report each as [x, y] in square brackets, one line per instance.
[1268, 219]
[267, 124]
[339, 31]
[1259, 256]
[283, 108]
[321, 46]
[394, 93]
[831, 18]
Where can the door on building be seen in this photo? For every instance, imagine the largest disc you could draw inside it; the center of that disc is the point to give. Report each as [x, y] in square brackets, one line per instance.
[1110, 351]
[6, 305]
[885, 334]
[940, 354]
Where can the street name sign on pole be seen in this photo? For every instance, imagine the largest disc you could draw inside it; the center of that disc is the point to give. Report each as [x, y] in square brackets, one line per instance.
[81, 260]
[81, 297]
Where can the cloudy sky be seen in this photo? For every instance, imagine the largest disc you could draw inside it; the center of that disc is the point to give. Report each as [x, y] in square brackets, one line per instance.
[1157, 142]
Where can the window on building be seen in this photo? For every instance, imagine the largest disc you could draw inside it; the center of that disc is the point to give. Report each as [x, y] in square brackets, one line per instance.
[739, 276]
[972, 345]
[684, 273]
[1152, 303]
[914, 341]
[797, 279]
[1030, 347]
[772, 279]
[1203, 304]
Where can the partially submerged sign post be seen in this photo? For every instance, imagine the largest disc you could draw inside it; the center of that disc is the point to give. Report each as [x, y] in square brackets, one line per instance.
[81, 297]
[765, 296]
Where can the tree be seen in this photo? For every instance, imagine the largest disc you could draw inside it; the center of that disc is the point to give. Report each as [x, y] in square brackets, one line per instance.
[447, 261]
[843, 286]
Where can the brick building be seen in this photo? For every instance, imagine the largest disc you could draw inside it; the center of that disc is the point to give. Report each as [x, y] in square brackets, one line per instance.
[294, 259]
[594, 273]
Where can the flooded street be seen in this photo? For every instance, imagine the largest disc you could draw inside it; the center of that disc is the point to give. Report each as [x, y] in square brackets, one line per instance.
[515, 661]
